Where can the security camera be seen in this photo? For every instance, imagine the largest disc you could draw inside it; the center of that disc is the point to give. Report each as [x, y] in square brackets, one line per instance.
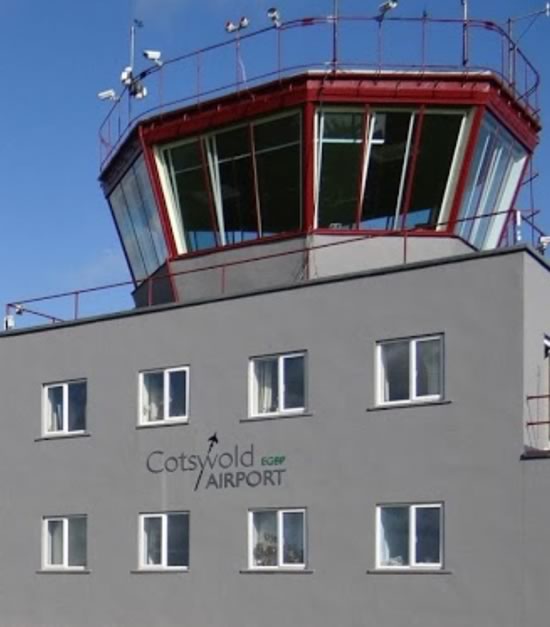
[389, 5]
[127, 76]
[153, 55]
[108, 94]
[274, 15]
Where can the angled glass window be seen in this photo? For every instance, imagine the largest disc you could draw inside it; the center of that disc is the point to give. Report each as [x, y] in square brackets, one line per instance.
[190, 196]
[385, 169]
[138, 221]
[234, 185]
[493, 180]
[64, 408]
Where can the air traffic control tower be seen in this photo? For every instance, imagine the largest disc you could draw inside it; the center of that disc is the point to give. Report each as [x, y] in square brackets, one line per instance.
[343, 164]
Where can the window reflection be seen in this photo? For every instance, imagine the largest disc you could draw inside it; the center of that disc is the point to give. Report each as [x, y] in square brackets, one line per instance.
[236, 185]
[381, 183]
[138, 222]
[494, 176]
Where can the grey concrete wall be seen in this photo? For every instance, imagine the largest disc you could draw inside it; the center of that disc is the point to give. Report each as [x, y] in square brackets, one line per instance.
[343, 458]
[377, 252]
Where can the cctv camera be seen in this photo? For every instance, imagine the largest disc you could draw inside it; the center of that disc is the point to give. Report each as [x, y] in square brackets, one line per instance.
[108, 94]
[152, 55]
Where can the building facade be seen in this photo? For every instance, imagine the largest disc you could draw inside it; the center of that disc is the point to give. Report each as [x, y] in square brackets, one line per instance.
[330, 404]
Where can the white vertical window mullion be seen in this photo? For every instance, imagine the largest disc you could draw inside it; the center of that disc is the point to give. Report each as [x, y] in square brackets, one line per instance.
[404, 170]
[164, 541]
[212, 151]
[318, 141]
[65, 426]
[280, 538]
[412, 535]
[65, 541]
[412, 370]
[367, 147]
[447, 196]
[281, 370]
[166, 393]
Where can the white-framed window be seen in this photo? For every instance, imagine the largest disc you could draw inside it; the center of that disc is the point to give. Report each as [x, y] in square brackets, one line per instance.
[64, 408]
[164, 541]
[409, 536]
[164, 395]
[277, 384]
[277, 538]
[64, 542]
[410, 370]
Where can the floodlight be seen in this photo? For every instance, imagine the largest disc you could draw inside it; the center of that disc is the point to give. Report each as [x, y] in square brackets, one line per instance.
[547, 9]
[243, 22]
[153, 55]
[138, 90]
[231, 27]
[108, 94]
[274, 15]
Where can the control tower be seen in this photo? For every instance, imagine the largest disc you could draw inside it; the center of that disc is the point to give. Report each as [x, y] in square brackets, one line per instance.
[302, 172]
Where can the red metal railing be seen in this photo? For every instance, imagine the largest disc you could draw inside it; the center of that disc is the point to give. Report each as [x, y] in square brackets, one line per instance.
[325, 44]
[65, 306]
[537, 425]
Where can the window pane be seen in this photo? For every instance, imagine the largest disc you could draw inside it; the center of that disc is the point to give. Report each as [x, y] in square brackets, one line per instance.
[178, 393]
[152, 532]
[437, 147]
[77, 406]
[189, 185]
[138, 216]
[293, 538]
[340, 169]
[278, 162]
[395, 371]
[237, 185]
[125, 226]
[385, 169]
[264, 541]
[428, 367]
[293, 368]
[428, 534]
[178, 540]
[267, 385]
[55, 542]
[77, 541]
[394, 536]
[55, 408]
[153, 396]
[151, 211]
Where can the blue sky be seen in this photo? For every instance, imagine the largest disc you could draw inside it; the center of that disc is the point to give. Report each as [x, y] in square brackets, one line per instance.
[56, 231]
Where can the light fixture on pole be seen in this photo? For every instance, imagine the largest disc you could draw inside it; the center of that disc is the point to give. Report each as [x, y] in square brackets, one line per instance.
[274, 15]
[386, 7]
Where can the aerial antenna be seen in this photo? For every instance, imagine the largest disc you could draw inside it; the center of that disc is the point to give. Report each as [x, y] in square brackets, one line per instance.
[235, 28]
[465, 34]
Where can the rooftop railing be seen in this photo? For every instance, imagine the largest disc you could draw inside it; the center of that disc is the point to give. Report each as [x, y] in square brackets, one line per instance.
[115, 297]
[326, 44]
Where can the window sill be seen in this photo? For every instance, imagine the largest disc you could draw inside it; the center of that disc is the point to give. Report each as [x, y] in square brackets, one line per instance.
[276, 571]
[63, 436]
[159, 571]
[409, 571]
[408, 404]
[162, 423]
[63, 571]
[282, 416]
